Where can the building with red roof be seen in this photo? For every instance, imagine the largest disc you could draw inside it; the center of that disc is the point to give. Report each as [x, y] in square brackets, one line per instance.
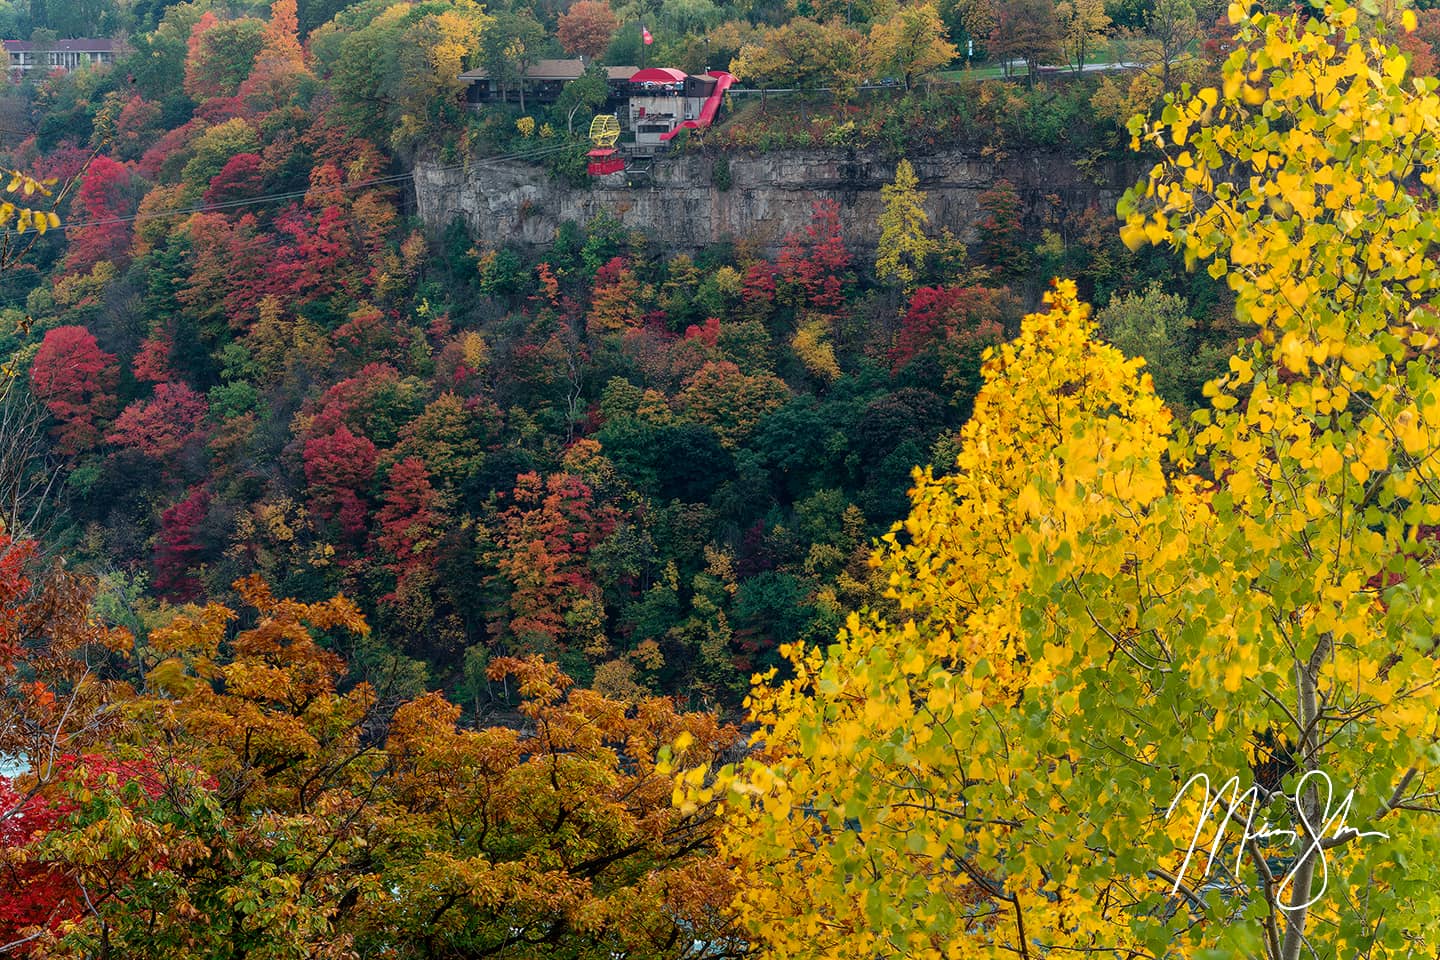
[664, 100]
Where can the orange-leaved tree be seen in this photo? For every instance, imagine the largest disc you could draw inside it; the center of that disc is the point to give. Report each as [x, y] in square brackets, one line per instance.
[249, 802]
[556, 839]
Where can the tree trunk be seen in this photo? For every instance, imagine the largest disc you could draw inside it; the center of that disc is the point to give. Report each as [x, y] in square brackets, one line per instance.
[1303, 874]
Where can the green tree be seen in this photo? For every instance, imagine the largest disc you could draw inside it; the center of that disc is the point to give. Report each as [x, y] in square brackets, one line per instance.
[584, 95]
[1156, 325]
[510, 47]
[967, 20]
[221, 55]
[394, 68]
[693, 17]
[158, 61]
[903, 243]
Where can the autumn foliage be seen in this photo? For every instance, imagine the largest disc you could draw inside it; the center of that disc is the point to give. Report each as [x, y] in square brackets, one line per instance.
[36, 895]
[813, 266]
[253, 810]
[102, 206]
[951, 316]
[586, 28]
[1097, 606]
[178, 548]
[542, 542]
[338, 468]
[368, 549]
[76, 381]
[161, 427]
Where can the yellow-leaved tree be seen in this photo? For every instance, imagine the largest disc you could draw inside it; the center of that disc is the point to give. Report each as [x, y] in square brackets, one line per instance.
[903, 244]
[1097, 607]
[909, 43]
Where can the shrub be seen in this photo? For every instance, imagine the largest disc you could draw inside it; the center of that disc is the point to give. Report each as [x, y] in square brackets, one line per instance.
[720, 173]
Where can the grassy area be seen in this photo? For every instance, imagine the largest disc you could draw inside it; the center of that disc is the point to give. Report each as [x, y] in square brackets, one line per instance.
[938, 114]
[979, 73]
[1106, 53]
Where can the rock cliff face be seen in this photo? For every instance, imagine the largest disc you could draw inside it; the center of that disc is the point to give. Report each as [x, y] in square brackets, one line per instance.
[770, 195]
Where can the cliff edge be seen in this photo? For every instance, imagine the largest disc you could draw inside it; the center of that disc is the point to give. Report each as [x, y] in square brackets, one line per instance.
[769, 195]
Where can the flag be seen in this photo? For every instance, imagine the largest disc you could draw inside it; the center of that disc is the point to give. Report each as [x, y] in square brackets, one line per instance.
[645, 35]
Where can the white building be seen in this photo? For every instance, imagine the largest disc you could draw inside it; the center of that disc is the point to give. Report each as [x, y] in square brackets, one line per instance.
[663, 99]
[60, 54]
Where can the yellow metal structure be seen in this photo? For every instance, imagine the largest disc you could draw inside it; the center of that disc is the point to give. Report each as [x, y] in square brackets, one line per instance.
[604, 130]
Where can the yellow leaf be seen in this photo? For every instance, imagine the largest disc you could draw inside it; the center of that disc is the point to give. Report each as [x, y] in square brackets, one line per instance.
[1330, 461]
[1132, 234]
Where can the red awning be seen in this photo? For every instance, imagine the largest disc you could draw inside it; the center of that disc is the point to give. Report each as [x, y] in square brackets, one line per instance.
[659, 75]
[598, 152]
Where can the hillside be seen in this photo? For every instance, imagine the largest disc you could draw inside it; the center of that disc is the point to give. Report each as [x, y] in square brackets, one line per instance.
[648, 432]
[868, 515]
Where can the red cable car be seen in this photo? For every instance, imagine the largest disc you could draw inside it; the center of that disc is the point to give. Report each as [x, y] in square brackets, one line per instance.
[605, 160]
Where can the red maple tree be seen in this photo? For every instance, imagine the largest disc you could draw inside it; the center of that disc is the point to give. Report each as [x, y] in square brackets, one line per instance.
[410, 524]
[339, 467]
[33, 896]
[151, 363]
[241, 177]
[948, 315]
[76, 381]
[178, 549]
[814, 266]
[161, 426]
[99, 232]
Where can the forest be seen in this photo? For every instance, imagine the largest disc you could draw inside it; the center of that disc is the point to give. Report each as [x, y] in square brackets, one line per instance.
[651, 468]
[369, 591]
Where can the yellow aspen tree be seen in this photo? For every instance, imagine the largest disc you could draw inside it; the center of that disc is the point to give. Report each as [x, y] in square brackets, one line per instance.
[903, 243]
[812, 345]
[1096, 609]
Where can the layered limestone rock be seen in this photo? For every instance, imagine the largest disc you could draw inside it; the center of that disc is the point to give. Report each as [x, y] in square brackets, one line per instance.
[770, 195]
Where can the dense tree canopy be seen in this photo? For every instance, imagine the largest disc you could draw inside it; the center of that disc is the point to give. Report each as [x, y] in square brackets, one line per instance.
[1097, 609]
[390, 571]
